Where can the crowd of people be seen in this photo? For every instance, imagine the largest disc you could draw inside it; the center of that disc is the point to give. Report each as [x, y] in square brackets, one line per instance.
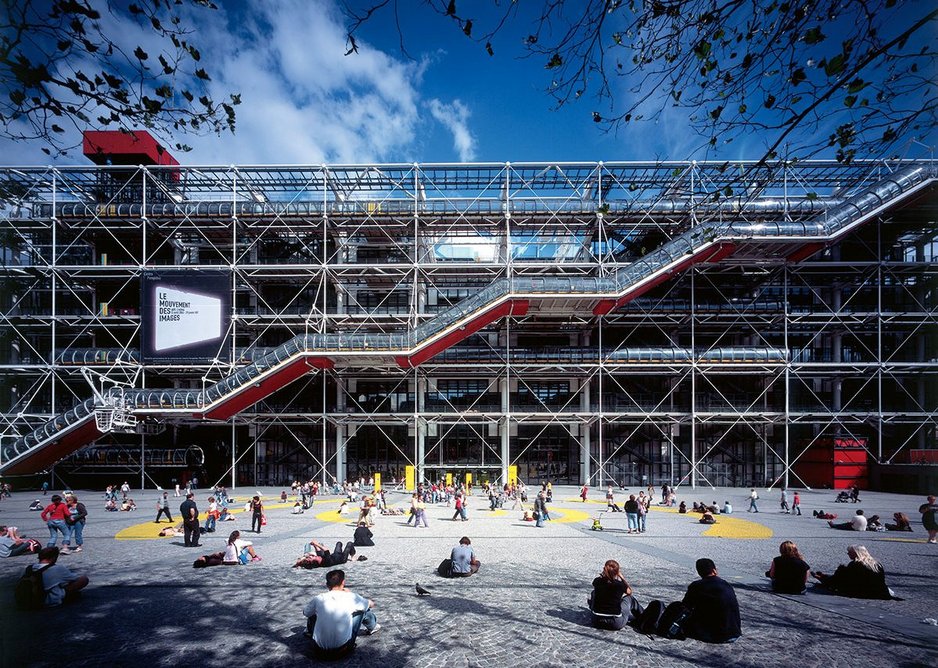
[708, 611]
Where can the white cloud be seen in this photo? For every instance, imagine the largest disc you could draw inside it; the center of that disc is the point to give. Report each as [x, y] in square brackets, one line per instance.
[455, 118]
[303, 100]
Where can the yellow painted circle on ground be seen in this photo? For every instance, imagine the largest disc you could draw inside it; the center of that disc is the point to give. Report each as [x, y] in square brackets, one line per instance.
[567, 516]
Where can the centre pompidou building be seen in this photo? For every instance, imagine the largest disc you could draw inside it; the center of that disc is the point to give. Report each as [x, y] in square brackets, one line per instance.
[623, 323]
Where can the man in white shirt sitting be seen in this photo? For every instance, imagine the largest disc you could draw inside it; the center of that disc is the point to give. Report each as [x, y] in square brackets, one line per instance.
[858, 523]
[336, 616]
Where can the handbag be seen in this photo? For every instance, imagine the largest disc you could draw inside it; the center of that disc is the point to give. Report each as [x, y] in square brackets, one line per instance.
[263, 520]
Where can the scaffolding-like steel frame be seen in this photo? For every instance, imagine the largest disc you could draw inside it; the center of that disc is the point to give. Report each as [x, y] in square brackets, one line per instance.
[727, 373]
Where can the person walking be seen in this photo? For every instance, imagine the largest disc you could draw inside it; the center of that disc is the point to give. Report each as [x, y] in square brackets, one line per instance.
[783, 502]
[584, 492]
[257, 514]
[540, 509]
[753, 497]
[54, 515]
[76, 524]
[190, 521]
[796, 505]
[162, 508]
[420, 512]
[929, 512]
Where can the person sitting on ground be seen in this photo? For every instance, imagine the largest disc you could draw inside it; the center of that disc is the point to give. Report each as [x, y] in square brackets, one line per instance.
[36, 505]
[60, 583]
[336, 617]
[902, 523]
[611, 604]
[527, 516]
[788, 572]
[696, 507]
[714, 613]
[317, 556]
[283, 496]
[714, 508]
[874, 524]
[206, 560]
[111, 506]
[682, 508]
[128, 505]
[363, 536]
[707, 518]
[464, 559]
[239, 551]
[14, 545]
[863, 577]
[858, 523]
[297, 509]
[727, 508]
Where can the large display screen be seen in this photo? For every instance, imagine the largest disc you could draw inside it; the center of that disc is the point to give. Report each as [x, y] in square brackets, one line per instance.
[185, 316]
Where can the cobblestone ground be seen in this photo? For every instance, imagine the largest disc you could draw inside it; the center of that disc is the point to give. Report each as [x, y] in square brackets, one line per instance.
[147, 606]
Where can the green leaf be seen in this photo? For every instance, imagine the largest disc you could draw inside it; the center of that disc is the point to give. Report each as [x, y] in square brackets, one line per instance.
[555, 61]
[814, 36]
[56, 128]
[488, 49]
[835, 65]
[889, 135]
[202, 74]
[164, 91]
[702, 49]
[17, 97]
[155, 22]
[597, 117]
[850, 100]
[798, 76]
[811, 196]
[856, 86]
[770, 101]
[451, 8]
[140, 54]
[715, 113]
[467, 28]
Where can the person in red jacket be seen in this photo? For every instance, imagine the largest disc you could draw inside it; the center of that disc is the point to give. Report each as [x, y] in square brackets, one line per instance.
[54, 516]
[584, 492]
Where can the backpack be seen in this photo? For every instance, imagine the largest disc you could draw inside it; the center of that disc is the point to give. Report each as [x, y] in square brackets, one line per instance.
[647, 622]
[671, 624]
[30, 594]
[445, 568]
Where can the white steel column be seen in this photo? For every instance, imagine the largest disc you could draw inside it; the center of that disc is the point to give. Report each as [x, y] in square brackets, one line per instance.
[340, 444]
[585, 433]
[504, 428]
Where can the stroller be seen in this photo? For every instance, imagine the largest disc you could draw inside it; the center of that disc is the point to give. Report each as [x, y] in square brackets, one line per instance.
[843, 497]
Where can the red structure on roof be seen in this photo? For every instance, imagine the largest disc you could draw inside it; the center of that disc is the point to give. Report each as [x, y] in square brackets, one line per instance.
[117, 147]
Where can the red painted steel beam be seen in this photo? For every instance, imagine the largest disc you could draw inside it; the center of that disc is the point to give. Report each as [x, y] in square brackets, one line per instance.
[260, 389]
[45, 456]
[805, 252]
[511, 307]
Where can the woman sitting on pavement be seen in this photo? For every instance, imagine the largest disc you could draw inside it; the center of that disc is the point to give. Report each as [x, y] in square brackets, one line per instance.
[902, 523]
[863, 577]
[788, 572]
[611, 604]
[239, 551]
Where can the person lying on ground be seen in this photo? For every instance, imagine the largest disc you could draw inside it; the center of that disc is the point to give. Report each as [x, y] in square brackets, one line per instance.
[317, 556]
[206, 560]
[14, 545]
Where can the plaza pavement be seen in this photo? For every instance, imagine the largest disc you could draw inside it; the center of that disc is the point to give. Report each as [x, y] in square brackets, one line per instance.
[146, 606]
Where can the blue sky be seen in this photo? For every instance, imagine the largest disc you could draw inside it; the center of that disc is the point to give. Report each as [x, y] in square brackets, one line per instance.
[305, 102]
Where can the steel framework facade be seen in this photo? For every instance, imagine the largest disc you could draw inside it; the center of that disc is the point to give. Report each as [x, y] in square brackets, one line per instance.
[721, 369]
